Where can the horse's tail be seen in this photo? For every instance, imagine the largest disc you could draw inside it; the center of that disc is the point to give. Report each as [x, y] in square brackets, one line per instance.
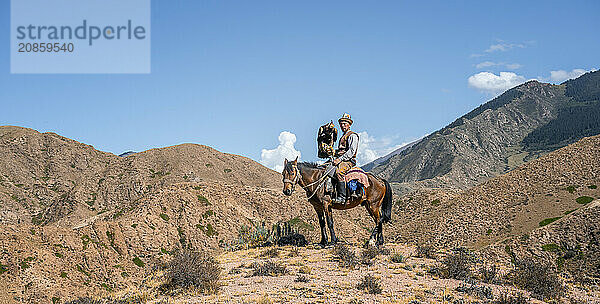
[386, 207]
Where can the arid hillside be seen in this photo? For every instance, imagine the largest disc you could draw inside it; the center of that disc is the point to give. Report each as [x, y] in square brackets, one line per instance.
[509, 205]
[77, 221]
[49, 178]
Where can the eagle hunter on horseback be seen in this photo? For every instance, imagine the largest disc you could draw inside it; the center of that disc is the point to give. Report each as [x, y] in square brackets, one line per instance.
[368, 190]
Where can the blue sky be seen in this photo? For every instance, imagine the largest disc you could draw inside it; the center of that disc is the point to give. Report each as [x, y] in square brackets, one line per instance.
[235, 74]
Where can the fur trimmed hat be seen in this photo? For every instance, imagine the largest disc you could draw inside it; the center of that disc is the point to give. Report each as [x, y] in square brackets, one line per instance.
[346, 117]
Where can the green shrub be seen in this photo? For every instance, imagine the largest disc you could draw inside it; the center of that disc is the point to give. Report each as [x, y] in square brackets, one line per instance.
[80, 269]
[3, 268]
[551, 247]
[105, 286]
[370, 284]
[297, 222]
[584, 200]
[204, 200]
[549, 220]
[193, 269]
[252, 237]
[164, 217]
[435, 202]
[207, 213]
[570, 211]
[227, 170]
[24, 264]
[63, 274]
[592, 186]
[571, 189]
[138, 262]
[397, 258]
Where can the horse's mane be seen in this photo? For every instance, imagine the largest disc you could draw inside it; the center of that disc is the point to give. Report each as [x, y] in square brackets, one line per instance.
[312, 165]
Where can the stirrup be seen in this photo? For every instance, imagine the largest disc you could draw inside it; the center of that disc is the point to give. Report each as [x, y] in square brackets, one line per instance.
[340, 200]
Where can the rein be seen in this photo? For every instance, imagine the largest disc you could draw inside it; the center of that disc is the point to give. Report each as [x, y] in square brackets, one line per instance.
[321, 180]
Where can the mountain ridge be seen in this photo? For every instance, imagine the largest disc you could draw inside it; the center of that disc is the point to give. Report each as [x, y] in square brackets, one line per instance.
[489, 140]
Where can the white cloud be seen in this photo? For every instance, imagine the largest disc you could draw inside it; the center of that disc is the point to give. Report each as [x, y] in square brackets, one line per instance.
[274, 158]
[513, 66]
[510, 66]
[371, 148]
[495, 84]
[485, 64]
[503, 47]
[561, 75]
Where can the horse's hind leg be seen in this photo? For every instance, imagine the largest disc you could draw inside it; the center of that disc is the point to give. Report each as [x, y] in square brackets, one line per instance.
[321, 216]
[379, 234]
[374, 238]
[329, 217]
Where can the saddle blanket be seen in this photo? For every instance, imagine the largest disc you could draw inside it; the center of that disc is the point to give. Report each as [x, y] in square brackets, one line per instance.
[358, 174]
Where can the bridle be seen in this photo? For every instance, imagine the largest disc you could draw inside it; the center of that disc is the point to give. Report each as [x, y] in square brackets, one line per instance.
[297, 177]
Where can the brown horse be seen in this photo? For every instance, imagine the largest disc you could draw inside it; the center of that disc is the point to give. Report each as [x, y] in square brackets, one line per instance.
[377, 198]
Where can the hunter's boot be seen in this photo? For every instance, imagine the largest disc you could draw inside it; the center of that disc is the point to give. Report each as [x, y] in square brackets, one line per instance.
[341, 192]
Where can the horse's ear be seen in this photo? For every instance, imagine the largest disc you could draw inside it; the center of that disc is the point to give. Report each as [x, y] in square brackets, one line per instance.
[296, 160]
[285, 162]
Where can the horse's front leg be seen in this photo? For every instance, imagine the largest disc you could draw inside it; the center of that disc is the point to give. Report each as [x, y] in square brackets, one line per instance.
[321, 216]
[329, 216]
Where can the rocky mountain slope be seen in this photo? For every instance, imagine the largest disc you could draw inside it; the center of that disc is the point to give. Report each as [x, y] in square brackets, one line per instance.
[77, 221]
[571, 243]
[513, 204]
[523, 123]
[49, 178]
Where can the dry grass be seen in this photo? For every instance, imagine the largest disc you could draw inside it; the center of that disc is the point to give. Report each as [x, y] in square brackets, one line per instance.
[457, 265]
[270, 253]
[192, 269]
[267, 268]
[345, 256]
[370, 284]
[397, 258]
[538, 278]
[489, 274]
[511, 298]
[426, 251]
[368, 254]
[302, 279]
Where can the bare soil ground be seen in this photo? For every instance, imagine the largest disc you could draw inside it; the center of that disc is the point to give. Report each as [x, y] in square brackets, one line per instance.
[409, 281]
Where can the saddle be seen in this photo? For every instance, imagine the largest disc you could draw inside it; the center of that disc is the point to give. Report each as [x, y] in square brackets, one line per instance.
[356, 180]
